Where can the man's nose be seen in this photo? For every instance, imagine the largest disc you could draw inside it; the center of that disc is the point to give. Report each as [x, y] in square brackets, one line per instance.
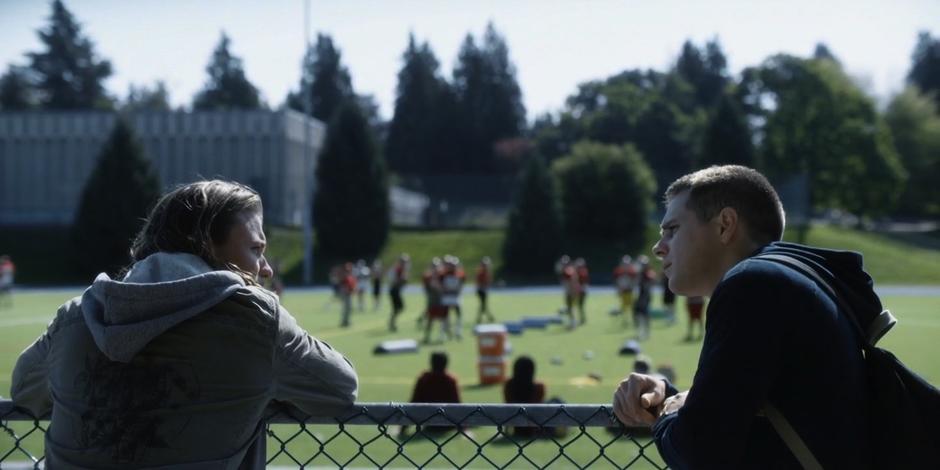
[659, 249]
[265, 270]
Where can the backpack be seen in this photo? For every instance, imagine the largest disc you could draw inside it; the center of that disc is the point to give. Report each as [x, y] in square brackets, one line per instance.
[904, 409]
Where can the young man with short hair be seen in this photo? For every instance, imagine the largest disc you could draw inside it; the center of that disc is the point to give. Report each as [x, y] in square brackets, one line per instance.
[772, 338]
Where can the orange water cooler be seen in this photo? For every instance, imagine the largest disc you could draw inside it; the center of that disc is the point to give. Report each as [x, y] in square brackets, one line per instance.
[493, 345]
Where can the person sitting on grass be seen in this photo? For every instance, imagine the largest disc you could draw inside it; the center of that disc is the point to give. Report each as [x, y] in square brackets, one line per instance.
[435, 386]
[175, 362]
[523, 388]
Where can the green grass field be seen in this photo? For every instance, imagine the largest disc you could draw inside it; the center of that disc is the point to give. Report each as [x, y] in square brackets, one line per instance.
[390, 378]
[889, 258]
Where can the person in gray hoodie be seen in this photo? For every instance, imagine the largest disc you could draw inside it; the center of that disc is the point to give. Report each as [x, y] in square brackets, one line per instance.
[175, 363]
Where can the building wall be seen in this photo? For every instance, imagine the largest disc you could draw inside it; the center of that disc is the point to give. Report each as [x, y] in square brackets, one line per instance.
[46, 158]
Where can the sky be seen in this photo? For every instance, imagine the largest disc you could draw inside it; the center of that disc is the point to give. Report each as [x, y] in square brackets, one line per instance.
[554, 44]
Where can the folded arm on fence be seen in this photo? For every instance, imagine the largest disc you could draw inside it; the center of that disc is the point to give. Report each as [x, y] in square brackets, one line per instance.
[467, 414]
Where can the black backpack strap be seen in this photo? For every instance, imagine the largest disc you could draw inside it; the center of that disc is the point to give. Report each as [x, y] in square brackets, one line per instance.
[869, 336]
[791, 438]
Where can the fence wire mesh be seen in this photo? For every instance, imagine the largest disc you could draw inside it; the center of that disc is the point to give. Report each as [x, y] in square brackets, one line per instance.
[391, 435]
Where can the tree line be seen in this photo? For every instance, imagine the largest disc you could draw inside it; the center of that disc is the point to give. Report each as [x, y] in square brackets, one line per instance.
[589, 172]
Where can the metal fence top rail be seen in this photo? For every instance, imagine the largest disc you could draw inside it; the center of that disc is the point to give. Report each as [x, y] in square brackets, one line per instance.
[468, 414]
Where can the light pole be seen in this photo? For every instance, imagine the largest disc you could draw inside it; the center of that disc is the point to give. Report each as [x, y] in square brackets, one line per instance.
[308, 168]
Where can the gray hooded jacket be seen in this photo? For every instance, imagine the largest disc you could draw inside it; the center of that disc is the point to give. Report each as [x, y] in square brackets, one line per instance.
[173, 367]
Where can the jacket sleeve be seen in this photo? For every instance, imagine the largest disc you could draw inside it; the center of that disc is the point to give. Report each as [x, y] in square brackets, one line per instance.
[739, 363]
[29, 386]
[309, 373]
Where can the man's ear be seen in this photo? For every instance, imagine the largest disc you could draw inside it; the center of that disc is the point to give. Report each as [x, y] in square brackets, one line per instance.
[728, 225]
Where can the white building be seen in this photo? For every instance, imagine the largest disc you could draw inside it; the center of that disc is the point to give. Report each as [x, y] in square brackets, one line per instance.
[46, 157]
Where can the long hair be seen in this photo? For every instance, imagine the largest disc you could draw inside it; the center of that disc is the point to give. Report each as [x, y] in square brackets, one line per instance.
[521, 387]
[192, 218]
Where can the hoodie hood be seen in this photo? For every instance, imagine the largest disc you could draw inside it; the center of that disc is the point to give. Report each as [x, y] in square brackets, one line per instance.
[843, 270]
[158, 293]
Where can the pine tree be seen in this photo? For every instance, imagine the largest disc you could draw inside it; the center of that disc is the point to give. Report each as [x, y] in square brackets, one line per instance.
[144, 98]
[507, 113]
[351, 206]
[822, 52]
[68, 74]
[410, 147]
[534, 235]
[117, 196]
[925, 66]
[489, 101]
[727, 138]
[327, 79]
[16, 93]
[706, 71]
[227, 87]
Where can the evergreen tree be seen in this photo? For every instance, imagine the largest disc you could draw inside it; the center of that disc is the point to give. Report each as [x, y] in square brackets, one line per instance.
[925, 66]
[351, 206]
[606, 194]
[143, 98]
[117, 196]
[369, 107]
[667, 138]
[822, 52]
[410, 147]
[554, 136]
[16, 93]
[227, 87]
[471, 150]
[534, 235]
[706, 71]
[489, 101]
[327, 79]
[68, 74]
[505, 113]
[727, 138]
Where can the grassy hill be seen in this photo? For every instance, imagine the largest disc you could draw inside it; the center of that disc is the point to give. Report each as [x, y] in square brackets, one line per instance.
[42, 255]
[889, 258]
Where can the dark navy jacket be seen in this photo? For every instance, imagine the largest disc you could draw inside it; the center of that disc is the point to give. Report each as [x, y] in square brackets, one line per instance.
[772, 335]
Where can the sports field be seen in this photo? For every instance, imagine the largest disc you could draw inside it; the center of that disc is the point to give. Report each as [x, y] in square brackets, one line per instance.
[589, 350]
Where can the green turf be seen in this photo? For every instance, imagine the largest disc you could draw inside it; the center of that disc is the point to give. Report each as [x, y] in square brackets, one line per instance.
[390, 378]
[890, 259]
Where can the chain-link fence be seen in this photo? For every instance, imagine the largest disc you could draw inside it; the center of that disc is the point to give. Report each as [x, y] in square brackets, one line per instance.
[377, 435]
